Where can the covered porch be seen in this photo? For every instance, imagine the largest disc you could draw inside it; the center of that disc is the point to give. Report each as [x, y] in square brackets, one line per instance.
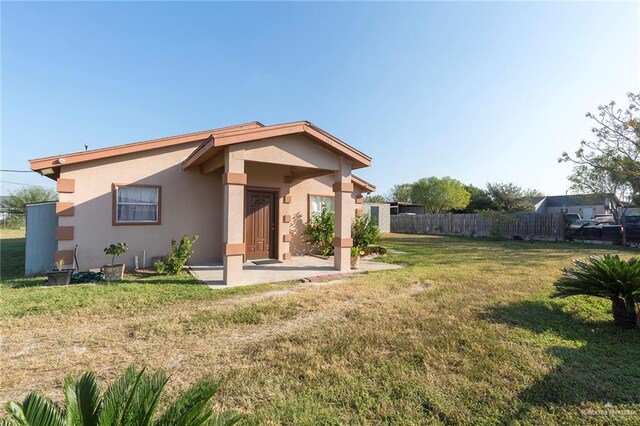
[298, 268]
[267, 176]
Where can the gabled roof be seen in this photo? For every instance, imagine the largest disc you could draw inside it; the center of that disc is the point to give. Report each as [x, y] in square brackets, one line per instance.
[366, 186]
[213, 139]
[582, 200]
[210, 147]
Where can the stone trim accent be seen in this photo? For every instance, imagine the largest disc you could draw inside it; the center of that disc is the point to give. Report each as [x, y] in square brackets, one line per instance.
[287, 199]
[286, 238]
[64, 233]
[343, 242]
[286, 218]
[232, 178]
[359, 212]
[64, 209]
[233, 249]
[359, 199]
[67, 186]
[66, 255]
[343, 187]
[286, 256]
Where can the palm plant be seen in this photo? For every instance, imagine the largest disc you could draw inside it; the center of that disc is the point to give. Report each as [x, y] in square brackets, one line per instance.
[608, 277]
[133, 399]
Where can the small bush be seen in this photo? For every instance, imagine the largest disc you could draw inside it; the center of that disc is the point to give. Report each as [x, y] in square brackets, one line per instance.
[15, 221]
[608, 277]
[375, 249]
[497, 219]
[117, 249]
[177, 256]
[365, 231]
[321, 230]
[133, 399]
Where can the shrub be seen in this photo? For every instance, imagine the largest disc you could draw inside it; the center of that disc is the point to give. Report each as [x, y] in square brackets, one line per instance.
[321, 230]
[133, 399]
[357, 251]
[15, 221]
[365, 231]
[497, 219]
[177, 257]
[375, 249]
[117, 249]
[608, 277]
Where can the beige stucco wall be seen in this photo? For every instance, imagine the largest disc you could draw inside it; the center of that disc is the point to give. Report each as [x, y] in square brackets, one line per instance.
[191, 202]
[190, 205]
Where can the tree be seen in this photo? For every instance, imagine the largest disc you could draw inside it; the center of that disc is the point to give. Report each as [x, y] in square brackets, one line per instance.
[610, 161]
[17, 201]
[531, 192]
[589, 180]
[400, 193]
[440, 195]
[479, 201]
[508, 197]
[374, 199]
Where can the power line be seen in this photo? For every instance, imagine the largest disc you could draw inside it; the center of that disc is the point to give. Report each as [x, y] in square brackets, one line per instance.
[16, 171]
[25, 184]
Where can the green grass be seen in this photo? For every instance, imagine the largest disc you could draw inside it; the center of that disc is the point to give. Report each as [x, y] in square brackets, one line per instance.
[465, 334]
[12, 250]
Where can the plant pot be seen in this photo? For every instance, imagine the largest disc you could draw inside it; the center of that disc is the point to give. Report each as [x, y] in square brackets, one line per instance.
[59, 277]
[355, 262]
[113, 272]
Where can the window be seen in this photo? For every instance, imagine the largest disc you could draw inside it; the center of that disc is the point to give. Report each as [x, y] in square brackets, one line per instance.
[318, 202]
[137, 204]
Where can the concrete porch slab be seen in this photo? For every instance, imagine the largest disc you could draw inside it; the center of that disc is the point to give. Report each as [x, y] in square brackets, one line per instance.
[297, 268]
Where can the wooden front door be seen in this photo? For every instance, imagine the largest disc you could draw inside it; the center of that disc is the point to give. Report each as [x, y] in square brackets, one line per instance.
[260, 225]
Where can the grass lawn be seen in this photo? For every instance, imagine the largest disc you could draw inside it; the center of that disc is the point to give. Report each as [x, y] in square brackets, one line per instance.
[466, 333]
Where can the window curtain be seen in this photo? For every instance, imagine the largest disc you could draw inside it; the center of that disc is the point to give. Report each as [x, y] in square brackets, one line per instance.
[137, 204]
[317, 203]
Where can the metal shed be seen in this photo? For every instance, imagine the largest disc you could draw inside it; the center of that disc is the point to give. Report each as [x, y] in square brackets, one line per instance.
[380, 212]
[41, 238]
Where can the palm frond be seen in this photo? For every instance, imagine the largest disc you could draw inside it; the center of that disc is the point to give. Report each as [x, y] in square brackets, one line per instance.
[115, 396]
[125, 415]
[607, 277]
[192, 407]
[38, 410]
[72, 411]
[148, 397]
[225, 419]
[16, 412]
[88, 399]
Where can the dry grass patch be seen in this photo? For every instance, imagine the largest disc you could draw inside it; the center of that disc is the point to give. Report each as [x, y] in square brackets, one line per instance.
[465, 334]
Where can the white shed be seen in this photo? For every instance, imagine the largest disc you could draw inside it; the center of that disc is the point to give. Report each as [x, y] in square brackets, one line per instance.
[381, 213]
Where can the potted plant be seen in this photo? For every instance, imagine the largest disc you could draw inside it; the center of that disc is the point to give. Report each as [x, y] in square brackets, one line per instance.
[356, 252]
[114, 272]
[59, 276]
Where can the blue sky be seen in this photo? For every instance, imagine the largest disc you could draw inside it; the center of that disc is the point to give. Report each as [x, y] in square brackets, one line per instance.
[482, 92]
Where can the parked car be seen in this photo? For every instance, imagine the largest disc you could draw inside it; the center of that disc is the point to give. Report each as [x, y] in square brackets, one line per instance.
[582, 222]
[572, 217]
[632, 220]
[604, 218]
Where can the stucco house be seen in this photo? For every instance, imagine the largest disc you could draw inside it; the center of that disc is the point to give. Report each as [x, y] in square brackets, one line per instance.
[247, 190]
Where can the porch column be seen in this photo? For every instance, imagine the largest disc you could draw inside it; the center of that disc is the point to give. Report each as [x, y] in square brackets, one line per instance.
[234, 179]
[342, 188]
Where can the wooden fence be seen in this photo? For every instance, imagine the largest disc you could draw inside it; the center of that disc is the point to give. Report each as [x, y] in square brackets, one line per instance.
[527, 226]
